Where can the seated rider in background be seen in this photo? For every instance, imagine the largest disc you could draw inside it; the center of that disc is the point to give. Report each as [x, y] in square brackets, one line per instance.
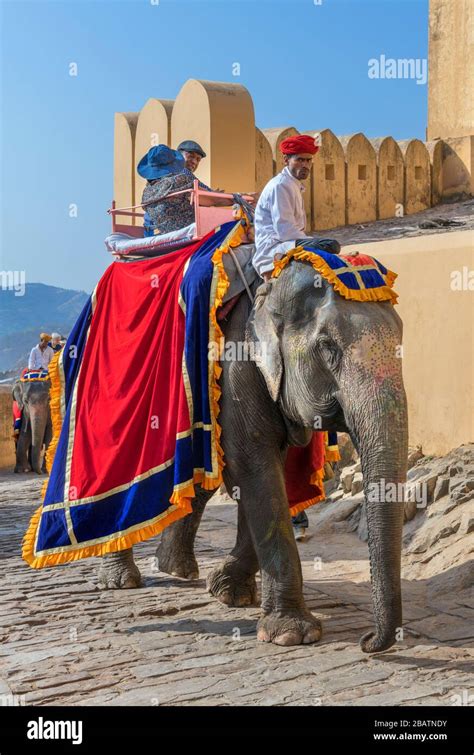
[192, 153]
[41, 354]
[166, 172]
[55, 342]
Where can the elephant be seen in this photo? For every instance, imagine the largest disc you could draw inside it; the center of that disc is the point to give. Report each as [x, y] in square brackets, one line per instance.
[32, 397]
[316, 356]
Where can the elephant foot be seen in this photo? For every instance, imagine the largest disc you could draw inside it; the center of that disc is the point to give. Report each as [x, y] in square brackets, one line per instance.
[293, 628]
[118, 571]
[231, 586]
[175, 562]
[373, 643]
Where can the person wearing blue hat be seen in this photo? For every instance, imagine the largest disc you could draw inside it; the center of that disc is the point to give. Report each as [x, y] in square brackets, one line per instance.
[166, 172]
[158, 162]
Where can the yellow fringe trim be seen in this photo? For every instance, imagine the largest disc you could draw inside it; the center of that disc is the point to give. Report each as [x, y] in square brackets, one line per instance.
[331, 453]
[384, 293]
[99, 549]
[56, 416]
[184, 496]
[181, 497]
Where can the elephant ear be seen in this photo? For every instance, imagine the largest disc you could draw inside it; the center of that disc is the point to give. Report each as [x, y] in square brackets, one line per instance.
[18, 395]
[262, 332]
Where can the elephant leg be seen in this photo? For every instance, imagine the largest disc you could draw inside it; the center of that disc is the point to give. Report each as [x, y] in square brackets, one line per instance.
[255, 451]
[285, 620]
[175, 551]
[233, 582]
[118, 571]
[22, 448]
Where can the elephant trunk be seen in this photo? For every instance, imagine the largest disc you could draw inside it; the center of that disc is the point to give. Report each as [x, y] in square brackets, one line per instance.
[379, 426]
[38, 419]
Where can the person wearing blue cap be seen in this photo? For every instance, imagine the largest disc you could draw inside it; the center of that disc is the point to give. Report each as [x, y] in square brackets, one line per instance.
[166, 172]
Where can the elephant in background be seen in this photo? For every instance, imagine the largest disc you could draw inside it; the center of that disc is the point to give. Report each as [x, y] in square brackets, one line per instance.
[321, 358]
[32, 397]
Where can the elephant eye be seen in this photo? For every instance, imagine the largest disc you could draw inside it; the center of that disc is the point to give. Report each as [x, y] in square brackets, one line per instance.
[330, 352]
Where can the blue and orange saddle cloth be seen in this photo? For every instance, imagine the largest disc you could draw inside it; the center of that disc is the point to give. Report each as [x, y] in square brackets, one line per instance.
[28, 376]
[354, 276]
[135, 400]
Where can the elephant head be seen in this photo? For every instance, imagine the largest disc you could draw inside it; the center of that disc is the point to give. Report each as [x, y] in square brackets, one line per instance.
[333, 364]
[32, 397]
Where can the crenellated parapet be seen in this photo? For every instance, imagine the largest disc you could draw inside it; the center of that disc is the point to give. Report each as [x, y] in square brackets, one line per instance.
[354, 179]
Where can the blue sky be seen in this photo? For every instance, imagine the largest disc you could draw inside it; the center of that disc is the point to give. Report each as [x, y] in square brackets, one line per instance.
[305, 64]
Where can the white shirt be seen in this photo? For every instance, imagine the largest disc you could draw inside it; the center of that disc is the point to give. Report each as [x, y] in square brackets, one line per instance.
[280, 219]
[40, 359]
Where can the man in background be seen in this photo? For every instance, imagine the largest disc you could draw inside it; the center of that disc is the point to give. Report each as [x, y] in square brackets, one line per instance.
[55, 342]
[193, 153]
[41, 354]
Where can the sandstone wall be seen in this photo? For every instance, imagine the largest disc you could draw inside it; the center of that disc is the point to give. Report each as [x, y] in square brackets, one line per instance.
[153, 127]
[220, 117]
[438, 325]
[361, 179]
[7, 446]
[417, 193]
[353, 179]
[125, 127]
[450, 69]
[390, 176]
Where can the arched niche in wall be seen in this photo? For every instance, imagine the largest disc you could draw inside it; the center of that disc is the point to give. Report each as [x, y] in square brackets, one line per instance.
[361, 179]
[125, 125]
[329, 182]
[390, 177]
[417, 176]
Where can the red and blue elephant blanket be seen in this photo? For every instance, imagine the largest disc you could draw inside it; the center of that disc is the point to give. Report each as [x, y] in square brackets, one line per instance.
[135, 405]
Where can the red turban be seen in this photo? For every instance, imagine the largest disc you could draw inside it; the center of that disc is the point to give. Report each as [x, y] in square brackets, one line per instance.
[297, 145]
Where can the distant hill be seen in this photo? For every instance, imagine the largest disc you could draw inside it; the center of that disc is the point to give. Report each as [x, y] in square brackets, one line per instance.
[23, 318]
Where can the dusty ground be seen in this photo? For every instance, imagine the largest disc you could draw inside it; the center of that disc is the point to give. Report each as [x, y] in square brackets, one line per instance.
[169, 643]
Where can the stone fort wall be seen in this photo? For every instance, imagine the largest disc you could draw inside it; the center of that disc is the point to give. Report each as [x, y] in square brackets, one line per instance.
[354, 179]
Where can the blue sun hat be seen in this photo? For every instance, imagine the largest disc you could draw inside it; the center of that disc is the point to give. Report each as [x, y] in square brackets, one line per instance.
[160, 161]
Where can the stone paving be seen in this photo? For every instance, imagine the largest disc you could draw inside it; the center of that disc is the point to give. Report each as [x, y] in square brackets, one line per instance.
[64, 642]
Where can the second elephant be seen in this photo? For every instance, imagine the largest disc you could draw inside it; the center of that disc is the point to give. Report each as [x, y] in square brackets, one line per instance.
[32, 397]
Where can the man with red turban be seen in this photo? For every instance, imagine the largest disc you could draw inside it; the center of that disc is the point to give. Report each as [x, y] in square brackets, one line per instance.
[280, 216]
[280, 221]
